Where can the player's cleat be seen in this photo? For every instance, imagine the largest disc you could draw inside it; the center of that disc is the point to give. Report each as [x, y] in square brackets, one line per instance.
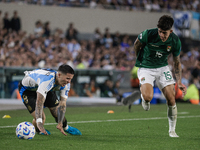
[145, 105]
[173, 134]
[48, 132]
[131, 98]
[73, 131]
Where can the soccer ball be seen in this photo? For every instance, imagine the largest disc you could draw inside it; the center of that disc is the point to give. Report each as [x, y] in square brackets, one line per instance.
[25, 130]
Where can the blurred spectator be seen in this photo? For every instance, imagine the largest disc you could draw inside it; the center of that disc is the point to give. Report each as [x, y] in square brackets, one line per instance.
[47, 29]
[93, 4]
[124, 44]
[186, 77]
[147, 5]
[155, 6]
[116, 92]
[6, 22]
[108, 41]
[1, 63]
[98, 37]
[1, 20]
[72, 92]
[192, 94]
[196, 70]
[126, 5]
[94, 89]
[15, 22]
[38, 31]
[74, 47]
[106, 32]
[116, 39]
[107, 89]
[87, 90]
[71, 32]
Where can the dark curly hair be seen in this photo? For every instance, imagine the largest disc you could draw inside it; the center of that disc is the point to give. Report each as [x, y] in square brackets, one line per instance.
[66, 69]
[165, 22]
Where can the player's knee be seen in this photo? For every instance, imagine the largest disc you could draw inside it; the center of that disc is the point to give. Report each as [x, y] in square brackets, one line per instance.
[171, 102]
[147, 97]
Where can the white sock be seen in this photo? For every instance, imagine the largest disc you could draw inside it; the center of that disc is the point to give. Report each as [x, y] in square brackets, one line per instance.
[66, 127]
[142, 98]
[172, 117]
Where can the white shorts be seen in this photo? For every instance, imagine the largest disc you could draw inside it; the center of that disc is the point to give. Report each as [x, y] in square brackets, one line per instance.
[162, 76]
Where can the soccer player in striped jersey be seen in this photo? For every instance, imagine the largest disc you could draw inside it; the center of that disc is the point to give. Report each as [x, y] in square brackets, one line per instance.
[37, 90]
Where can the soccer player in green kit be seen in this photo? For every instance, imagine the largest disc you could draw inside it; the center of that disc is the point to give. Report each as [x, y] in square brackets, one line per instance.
[152, 47]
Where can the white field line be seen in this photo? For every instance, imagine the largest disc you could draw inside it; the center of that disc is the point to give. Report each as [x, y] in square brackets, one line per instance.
[94, 121]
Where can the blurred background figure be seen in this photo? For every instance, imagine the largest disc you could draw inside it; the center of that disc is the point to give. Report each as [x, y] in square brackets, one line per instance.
[72, 92]
[71, 32]
[15, 22]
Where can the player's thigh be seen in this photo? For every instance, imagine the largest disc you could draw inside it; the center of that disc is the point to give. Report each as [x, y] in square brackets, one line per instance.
[165, 77]
[52, 102]
[51, 99]
[169, 93]
[146, 78]
[29, 100]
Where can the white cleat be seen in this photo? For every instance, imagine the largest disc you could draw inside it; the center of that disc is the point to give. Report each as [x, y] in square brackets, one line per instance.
[145, 105]
[173, 134]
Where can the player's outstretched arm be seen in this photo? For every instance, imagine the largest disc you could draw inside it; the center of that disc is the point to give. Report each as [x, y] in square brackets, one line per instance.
[178, 73]
[61, 114]
[38, 112]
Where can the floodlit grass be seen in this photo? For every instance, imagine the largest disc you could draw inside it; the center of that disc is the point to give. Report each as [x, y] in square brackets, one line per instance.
[123, 130]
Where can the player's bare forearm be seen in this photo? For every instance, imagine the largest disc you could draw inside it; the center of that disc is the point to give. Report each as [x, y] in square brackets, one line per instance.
[61, 114]
[38, 112]
[137, 46]
[177, 68]
[61, 109]
[178, 74]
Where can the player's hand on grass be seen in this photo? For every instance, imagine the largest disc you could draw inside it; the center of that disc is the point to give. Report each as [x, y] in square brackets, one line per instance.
[41, 128]
[60, 127]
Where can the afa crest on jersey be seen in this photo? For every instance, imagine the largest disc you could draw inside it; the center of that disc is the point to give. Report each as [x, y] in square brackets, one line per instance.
[169, 48]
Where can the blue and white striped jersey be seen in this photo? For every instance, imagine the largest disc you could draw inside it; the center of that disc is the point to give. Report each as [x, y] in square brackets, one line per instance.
[43, 81]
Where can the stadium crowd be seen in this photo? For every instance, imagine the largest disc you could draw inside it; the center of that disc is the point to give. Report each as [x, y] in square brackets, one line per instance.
[141, 5]
[49, 48]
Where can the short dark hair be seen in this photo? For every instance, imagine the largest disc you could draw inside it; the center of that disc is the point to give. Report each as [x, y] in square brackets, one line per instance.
[165, 22]
[66, 69]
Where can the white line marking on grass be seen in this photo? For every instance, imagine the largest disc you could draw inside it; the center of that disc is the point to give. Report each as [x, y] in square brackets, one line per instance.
[94, 121]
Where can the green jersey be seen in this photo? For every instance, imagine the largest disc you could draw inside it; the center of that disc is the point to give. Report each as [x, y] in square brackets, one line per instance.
[155, 52]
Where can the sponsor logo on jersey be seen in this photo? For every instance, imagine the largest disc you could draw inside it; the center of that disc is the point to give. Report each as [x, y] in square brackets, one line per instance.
[169, 48]
[154, 45]
[143, 79]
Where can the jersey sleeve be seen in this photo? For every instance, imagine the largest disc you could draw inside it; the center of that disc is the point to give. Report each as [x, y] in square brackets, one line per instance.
[177, 48]
[45, 86]
[143, 36]
[64, 91]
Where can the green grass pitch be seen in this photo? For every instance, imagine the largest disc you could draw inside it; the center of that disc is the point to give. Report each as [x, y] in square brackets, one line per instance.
[122, 130]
